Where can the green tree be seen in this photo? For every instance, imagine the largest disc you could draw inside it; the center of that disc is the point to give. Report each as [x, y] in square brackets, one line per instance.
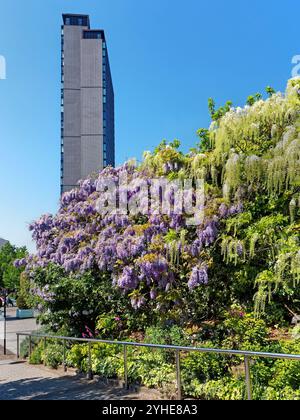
[9, 274]
[217, 114]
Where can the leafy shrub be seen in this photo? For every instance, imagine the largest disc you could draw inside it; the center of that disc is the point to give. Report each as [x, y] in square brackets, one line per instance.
[52, 355]
[76, 356]
[205, 366]
[24, 346]
[22, 303]
[170, 335]
[36, 357]
[24, 299]
[243, 331]
[105, 359]
[286, 393]
[204, 376]
[221, 389]
[286, 373]
[109, 326]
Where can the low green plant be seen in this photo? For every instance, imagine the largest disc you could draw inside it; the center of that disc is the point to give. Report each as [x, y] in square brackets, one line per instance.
[24, 346]
[171, 335]
[221, 389]
[36, 357]
[109, 326]
[22, 303]
[243, 331]
[52, 355]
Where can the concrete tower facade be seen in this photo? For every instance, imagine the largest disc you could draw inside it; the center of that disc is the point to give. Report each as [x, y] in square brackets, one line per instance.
[87, 102]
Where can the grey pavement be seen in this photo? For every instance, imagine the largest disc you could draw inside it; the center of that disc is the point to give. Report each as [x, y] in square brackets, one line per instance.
[14, 325]
[20, 381]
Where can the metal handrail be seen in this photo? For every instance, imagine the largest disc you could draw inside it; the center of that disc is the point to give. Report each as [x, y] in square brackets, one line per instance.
[177, 349]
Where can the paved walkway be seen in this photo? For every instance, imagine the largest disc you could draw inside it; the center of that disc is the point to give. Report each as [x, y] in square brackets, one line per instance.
[20, 381]
[14, 325]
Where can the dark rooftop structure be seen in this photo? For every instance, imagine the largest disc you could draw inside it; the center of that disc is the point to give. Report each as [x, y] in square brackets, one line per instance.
[76, 20]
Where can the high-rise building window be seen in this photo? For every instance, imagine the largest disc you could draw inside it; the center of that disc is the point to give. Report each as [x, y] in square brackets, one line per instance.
[91, 34]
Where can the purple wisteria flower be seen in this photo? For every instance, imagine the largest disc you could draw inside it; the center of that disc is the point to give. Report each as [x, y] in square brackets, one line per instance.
[236, 209]
[223, 211]
[128, 279]
[132, 249]
[198, 277]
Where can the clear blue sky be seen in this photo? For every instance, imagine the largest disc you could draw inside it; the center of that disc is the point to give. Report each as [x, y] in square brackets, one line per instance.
[167, 57]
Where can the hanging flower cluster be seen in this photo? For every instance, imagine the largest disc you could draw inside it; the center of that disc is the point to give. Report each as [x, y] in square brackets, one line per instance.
[132, 248]
[148, 252]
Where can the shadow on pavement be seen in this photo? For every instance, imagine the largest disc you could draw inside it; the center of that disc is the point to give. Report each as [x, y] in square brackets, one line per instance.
[64, 388]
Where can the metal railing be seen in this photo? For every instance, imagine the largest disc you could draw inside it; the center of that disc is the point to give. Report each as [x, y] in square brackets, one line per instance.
[248, 355]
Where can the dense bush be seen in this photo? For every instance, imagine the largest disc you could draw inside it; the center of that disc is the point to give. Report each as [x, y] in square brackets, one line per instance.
[120, 274]
[52, 355]
[146, 266]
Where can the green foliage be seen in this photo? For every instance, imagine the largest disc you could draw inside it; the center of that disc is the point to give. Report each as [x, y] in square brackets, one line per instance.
[24, 300]
[205, 140]
[254, 98]
[9, 274]
[287, 372]
[249, 161]
[24, 346]
[77, 356]
[36, 357]
[83, 300]
[109, 326]
[52, 355]
[205, 376]
[221, 389]
[270, 91]
[201, 368]
[216, 115]
[170, 335]
[244, 331]
[22, 303]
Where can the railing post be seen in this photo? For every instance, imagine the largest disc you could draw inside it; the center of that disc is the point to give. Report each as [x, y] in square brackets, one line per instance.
[30, 346]
[64, 356]
[248, 378]
[18, 346]
[125, 368]
[178, 375]
[45, 343]
[90, 372]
